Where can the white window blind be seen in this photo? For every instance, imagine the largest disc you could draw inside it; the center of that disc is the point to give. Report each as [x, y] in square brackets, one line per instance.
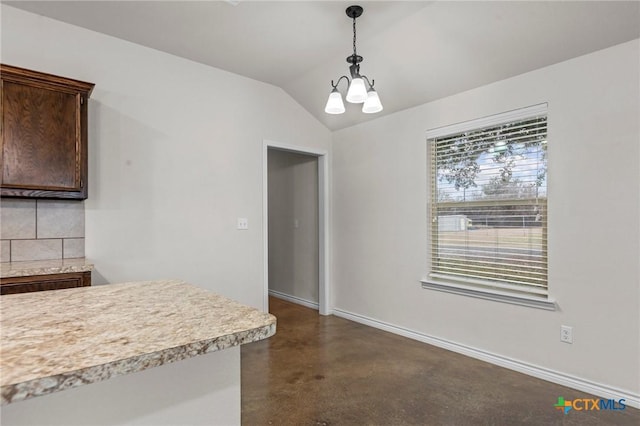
[489, 204]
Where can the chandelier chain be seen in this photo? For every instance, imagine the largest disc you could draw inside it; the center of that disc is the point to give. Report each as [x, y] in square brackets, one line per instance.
[354, 36]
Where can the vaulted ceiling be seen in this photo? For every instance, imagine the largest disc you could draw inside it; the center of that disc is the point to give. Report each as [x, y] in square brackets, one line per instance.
[417, 51]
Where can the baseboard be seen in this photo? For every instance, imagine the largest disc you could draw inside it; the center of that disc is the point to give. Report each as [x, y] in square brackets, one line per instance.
[603, 391]
[294, 299]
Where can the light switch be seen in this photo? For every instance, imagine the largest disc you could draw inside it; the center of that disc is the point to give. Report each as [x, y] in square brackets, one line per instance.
[243, 223]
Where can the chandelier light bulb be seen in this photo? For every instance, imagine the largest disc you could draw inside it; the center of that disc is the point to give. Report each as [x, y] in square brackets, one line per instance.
[357, 92]
[372, 104]
[334, 103]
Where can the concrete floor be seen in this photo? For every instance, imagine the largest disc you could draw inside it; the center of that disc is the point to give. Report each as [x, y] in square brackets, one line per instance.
[329, 371]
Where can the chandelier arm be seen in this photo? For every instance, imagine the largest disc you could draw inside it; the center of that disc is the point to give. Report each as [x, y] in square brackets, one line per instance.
[335, 86]
[370, 83]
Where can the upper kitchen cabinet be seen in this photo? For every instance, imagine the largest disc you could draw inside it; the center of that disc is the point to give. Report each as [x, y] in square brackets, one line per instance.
[43, 135]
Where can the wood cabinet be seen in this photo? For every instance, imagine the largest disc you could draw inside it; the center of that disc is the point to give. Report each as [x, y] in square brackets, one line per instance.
[44, 282]
[43, 135]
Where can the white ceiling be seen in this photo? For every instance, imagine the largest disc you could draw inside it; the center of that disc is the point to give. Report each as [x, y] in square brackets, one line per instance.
[417, 51]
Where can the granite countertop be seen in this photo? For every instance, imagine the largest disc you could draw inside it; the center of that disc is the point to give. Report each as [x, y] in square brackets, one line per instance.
[55, 340]
[43, 267]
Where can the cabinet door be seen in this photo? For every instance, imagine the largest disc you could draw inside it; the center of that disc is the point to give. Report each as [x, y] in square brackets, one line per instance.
[44, 146]
[44, 282]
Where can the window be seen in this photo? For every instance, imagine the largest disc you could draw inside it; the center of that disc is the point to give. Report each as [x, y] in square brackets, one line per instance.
[488, 209]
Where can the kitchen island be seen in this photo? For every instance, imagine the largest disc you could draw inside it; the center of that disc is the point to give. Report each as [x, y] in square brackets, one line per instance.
[61, 340]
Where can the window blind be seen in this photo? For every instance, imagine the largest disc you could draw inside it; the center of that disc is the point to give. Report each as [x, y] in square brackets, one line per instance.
[489, 206]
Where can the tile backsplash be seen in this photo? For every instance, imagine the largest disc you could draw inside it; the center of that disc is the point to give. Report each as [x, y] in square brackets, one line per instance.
[41, 229]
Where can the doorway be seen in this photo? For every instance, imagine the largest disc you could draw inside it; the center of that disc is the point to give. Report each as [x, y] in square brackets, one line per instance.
[295, 211]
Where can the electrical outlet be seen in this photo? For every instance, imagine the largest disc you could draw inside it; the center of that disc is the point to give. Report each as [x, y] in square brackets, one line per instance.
[243, 223]
[566, 334]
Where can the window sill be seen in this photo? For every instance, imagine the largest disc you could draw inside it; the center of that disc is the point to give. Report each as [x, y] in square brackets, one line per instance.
[495, 295]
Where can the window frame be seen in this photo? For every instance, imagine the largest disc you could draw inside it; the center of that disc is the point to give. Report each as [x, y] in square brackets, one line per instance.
[458, 286]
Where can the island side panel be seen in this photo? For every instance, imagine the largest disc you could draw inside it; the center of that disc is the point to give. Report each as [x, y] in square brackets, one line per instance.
[204, 390]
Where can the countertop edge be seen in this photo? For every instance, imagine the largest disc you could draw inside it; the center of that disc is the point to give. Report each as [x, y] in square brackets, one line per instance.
[44, 267]
[68, 380]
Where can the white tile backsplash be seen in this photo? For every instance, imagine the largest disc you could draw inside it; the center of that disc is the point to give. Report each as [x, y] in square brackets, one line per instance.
[41, 229]
[5, 251]
[17, 219]
[60, 219]
[36, 250]
[72, 247]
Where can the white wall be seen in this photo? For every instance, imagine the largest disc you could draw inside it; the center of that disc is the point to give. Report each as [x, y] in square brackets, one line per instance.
[204, 390]
[175, 155]
[293, 224]
[380, 222]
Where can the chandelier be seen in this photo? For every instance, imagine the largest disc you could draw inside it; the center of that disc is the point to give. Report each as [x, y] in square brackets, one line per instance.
[357, 92]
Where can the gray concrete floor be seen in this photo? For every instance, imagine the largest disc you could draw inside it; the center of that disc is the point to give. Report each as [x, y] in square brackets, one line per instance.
[329, 371]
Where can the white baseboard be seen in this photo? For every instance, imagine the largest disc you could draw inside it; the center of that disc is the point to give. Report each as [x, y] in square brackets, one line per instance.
[294, 299]
[603, 391]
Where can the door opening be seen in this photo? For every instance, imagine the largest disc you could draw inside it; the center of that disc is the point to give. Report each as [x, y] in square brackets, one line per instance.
[295, 211]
